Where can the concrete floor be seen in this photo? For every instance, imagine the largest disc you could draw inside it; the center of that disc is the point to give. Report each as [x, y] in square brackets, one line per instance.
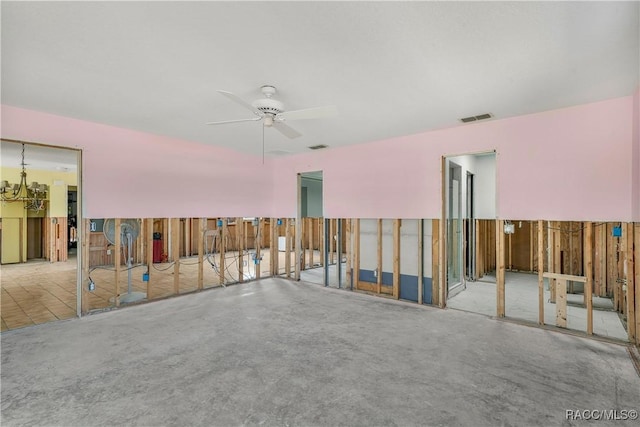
[276, 352]
[521, 302]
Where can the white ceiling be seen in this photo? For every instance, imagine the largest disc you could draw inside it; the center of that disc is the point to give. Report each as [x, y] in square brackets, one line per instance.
[38, 157]
[391, 68]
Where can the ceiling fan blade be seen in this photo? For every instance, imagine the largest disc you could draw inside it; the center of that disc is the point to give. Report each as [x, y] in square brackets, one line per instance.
[242, 102]
[286, 130]
[255, 119]
[309, 113]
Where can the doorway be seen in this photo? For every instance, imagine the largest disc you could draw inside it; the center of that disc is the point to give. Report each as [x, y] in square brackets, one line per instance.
[454, 230]
[469, 209]
[40, 282]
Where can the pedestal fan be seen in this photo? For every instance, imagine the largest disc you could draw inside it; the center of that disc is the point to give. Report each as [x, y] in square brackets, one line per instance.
[129, 231]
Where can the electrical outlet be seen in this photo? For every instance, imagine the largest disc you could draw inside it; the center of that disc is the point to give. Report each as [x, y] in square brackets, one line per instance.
[108, 251]
[375, 273]
[244, 263]
[92, 286]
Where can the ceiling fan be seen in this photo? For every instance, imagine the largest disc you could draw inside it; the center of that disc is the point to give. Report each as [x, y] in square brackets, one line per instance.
[272, 112]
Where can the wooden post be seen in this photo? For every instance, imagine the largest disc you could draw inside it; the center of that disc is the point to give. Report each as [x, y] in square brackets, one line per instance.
[636, 228]
[379, 260]
[310, 240]
[561, 303]
[149, 226]
[600, 262]
[510, 256]
[273, 246]
[420, 261]
[540, 272]
[436, 274]
[287, 260]
[85, 242]
[531, 246]
[397, 223]
[241, 245]
[297, 235]
[331, 240]
[557, 257]
[500, 284]
[303, 249]
[627, 234]
[349, 273]
[259, 248]
[118, 261]
[175, 252]
[202, 228]
[321, 237]
[588, 273]
[356, 253]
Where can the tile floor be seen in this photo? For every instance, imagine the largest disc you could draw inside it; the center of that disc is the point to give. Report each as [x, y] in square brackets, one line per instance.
[39, 291]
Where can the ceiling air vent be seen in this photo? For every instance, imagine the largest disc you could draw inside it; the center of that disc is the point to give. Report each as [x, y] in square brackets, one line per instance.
[278, 152]
[475, 118]
[318, 147]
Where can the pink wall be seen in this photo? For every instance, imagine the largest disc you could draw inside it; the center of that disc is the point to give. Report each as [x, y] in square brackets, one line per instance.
[635, 189]
[134, 174]
[569, 164]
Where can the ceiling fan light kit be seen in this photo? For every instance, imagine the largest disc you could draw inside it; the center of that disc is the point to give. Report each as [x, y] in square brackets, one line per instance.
[273, 113]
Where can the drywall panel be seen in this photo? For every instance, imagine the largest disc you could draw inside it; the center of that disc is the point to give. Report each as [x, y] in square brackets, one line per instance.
[541, 160]
[128, 173]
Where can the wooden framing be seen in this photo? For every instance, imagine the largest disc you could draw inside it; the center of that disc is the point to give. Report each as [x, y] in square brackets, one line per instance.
[420, 261]
[356, 252]
[349, 272]
[148, 224]
[379, 259]
[436, 273]
[242, 238]
[397, 223]
[500, 268]
[627, 247]
[442, 248]
[175, 253]
[636, 288]
[588, 272]
[287, 260]
[561, 303]
[202, 227]
[258, 261]
[310, 240]
[117, 258]
[273, 246]
[540, 272]
[85, 244]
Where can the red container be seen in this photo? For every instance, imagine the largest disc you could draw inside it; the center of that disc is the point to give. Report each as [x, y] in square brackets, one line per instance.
[157, 251]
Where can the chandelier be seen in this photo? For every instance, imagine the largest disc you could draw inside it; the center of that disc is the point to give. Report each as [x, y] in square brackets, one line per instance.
[33, 196]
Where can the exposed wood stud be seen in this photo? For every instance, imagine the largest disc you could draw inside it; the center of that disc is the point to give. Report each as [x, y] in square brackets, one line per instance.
[500, 267]
[588, 273]
[379, 259]
[321, 230]
[258, 266]
[396, 258]
[349, 254]
[540, 273]
[561, 303]
[421, 261]
[175, 252]
[117, 259]
[627, 246]
[356, 252]
[436, 273]
[636, 245]
[287, 260]
[240, 230]
[310, 240]
[148, 223]
[84, 239]
[442, 249]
